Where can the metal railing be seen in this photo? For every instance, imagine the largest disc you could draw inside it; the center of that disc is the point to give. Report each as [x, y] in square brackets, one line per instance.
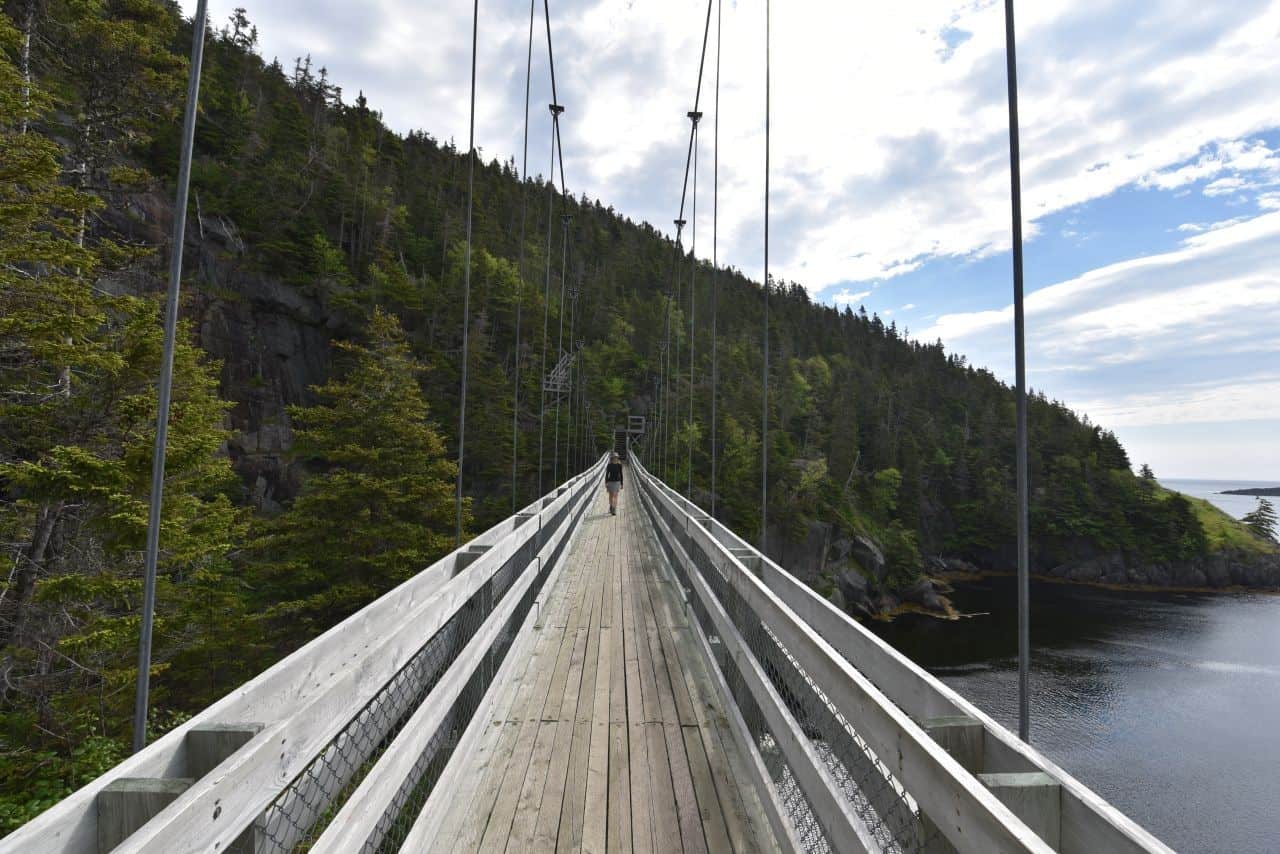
[855, 747]
[344, 739]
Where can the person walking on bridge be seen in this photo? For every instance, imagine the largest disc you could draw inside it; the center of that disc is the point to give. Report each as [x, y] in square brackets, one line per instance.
[613, 481]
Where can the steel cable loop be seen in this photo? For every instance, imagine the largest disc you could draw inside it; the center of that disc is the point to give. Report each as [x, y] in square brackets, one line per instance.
[466, 291]
[520, 271]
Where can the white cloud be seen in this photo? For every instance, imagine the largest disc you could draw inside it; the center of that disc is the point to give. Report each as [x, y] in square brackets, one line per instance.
[889, 136]
[846, 297]
[1254, 398]
[908, 306]
[1185, 335]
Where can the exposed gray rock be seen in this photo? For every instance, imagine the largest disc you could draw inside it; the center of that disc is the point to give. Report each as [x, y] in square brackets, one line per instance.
[922, 593]
[853, 592]
[1220, 569]
[867, 555]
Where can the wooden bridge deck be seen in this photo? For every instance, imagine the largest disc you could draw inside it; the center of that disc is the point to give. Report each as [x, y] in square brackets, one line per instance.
[608, 736]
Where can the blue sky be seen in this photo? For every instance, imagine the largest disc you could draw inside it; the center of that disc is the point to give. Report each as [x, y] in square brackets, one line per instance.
[1151, 171]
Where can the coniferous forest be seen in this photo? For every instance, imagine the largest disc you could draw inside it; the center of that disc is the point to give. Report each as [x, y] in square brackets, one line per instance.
[312, 444]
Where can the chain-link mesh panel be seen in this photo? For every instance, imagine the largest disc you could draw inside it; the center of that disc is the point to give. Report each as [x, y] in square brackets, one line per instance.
[874, 795]
[300, 813]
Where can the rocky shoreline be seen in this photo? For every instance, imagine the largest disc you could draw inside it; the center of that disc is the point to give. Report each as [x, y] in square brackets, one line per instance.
[852, 572]
[1215, 571]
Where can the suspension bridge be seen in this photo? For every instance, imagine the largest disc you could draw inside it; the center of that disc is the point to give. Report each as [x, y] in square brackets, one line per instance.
[574, 681]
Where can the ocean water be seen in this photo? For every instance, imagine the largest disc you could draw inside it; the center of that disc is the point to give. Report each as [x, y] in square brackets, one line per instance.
[1210, 490]
[1165, 704]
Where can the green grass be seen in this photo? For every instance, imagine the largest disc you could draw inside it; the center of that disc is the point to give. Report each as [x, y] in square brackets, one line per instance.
[1226, 532]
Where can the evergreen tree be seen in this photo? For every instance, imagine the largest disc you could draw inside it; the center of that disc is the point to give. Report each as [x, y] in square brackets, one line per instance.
[1262, 519]
[77, 424]
[379, 507]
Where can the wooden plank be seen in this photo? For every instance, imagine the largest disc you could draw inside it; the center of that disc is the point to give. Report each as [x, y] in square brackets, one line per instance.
[595, 818]
[709, 811]
[637, 749]
[525, 821]
[659, 792]
[619, 831]
[461, 829]
[504, 769]
[521, 677]
[573, 810]
[720, 750]
[681, 783]
[548, 828]
[521, 796]
[674, 673]
[524, 716]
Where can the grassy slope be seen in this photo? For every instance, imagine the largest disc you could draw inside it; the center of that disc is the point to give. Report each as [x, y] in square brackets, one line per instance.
[1226, 532]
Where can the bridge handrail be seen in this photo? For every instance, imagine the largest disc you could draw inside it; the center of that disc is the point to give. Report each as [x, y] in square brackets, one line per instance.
[301, 705]
[965, 812]
[1088, 822]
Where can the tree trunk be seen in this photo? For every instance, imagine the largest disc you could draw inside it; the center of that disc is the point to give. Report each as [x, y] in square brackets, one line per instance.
[13, 608]
[28, 26]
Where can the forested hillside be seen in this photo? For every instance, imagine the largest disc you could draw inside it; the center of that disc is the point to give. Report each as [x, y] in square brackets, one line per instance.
[316, 405]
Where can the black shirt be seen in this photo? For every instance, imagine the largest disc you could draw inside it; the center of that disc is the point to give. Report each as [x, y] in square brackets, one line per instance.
[613, 473]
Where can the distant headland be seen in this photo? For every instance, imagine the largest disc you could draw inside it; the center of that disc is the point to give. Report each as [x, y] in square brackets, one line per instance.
[1255, 490]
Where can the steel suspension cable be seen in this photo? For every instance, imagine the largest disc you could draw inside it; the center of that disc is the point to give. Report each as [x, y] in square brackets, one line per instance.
[556, 110]
[564, 263]
[764, 420]
[702, 59]
[520, 272]
[557, 148]
[466, 276]
[715, 261]
[673, 292]
[694, 117]
[573, 376]
[164, 388]
[1020, 360]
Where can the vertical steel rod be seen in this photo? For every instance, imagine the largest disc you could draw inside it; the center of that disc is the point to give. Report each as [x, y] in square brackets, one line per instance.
[165, 387]
[564, 263]
[715, 263]
[695, 117]
[1020, 369]
[466, 276]
[524, 220]
[764, 420]
[556, 110]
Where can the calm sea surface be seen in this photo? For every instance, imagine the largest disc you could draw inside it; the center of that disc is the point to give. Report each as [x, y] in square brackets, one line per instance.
[1236, 505]
[1167, 705]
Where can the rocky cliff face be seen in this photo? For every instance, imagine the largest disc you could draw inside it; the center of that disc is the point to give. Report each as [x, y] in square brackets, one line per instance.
[272, 338]
[851, 571]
